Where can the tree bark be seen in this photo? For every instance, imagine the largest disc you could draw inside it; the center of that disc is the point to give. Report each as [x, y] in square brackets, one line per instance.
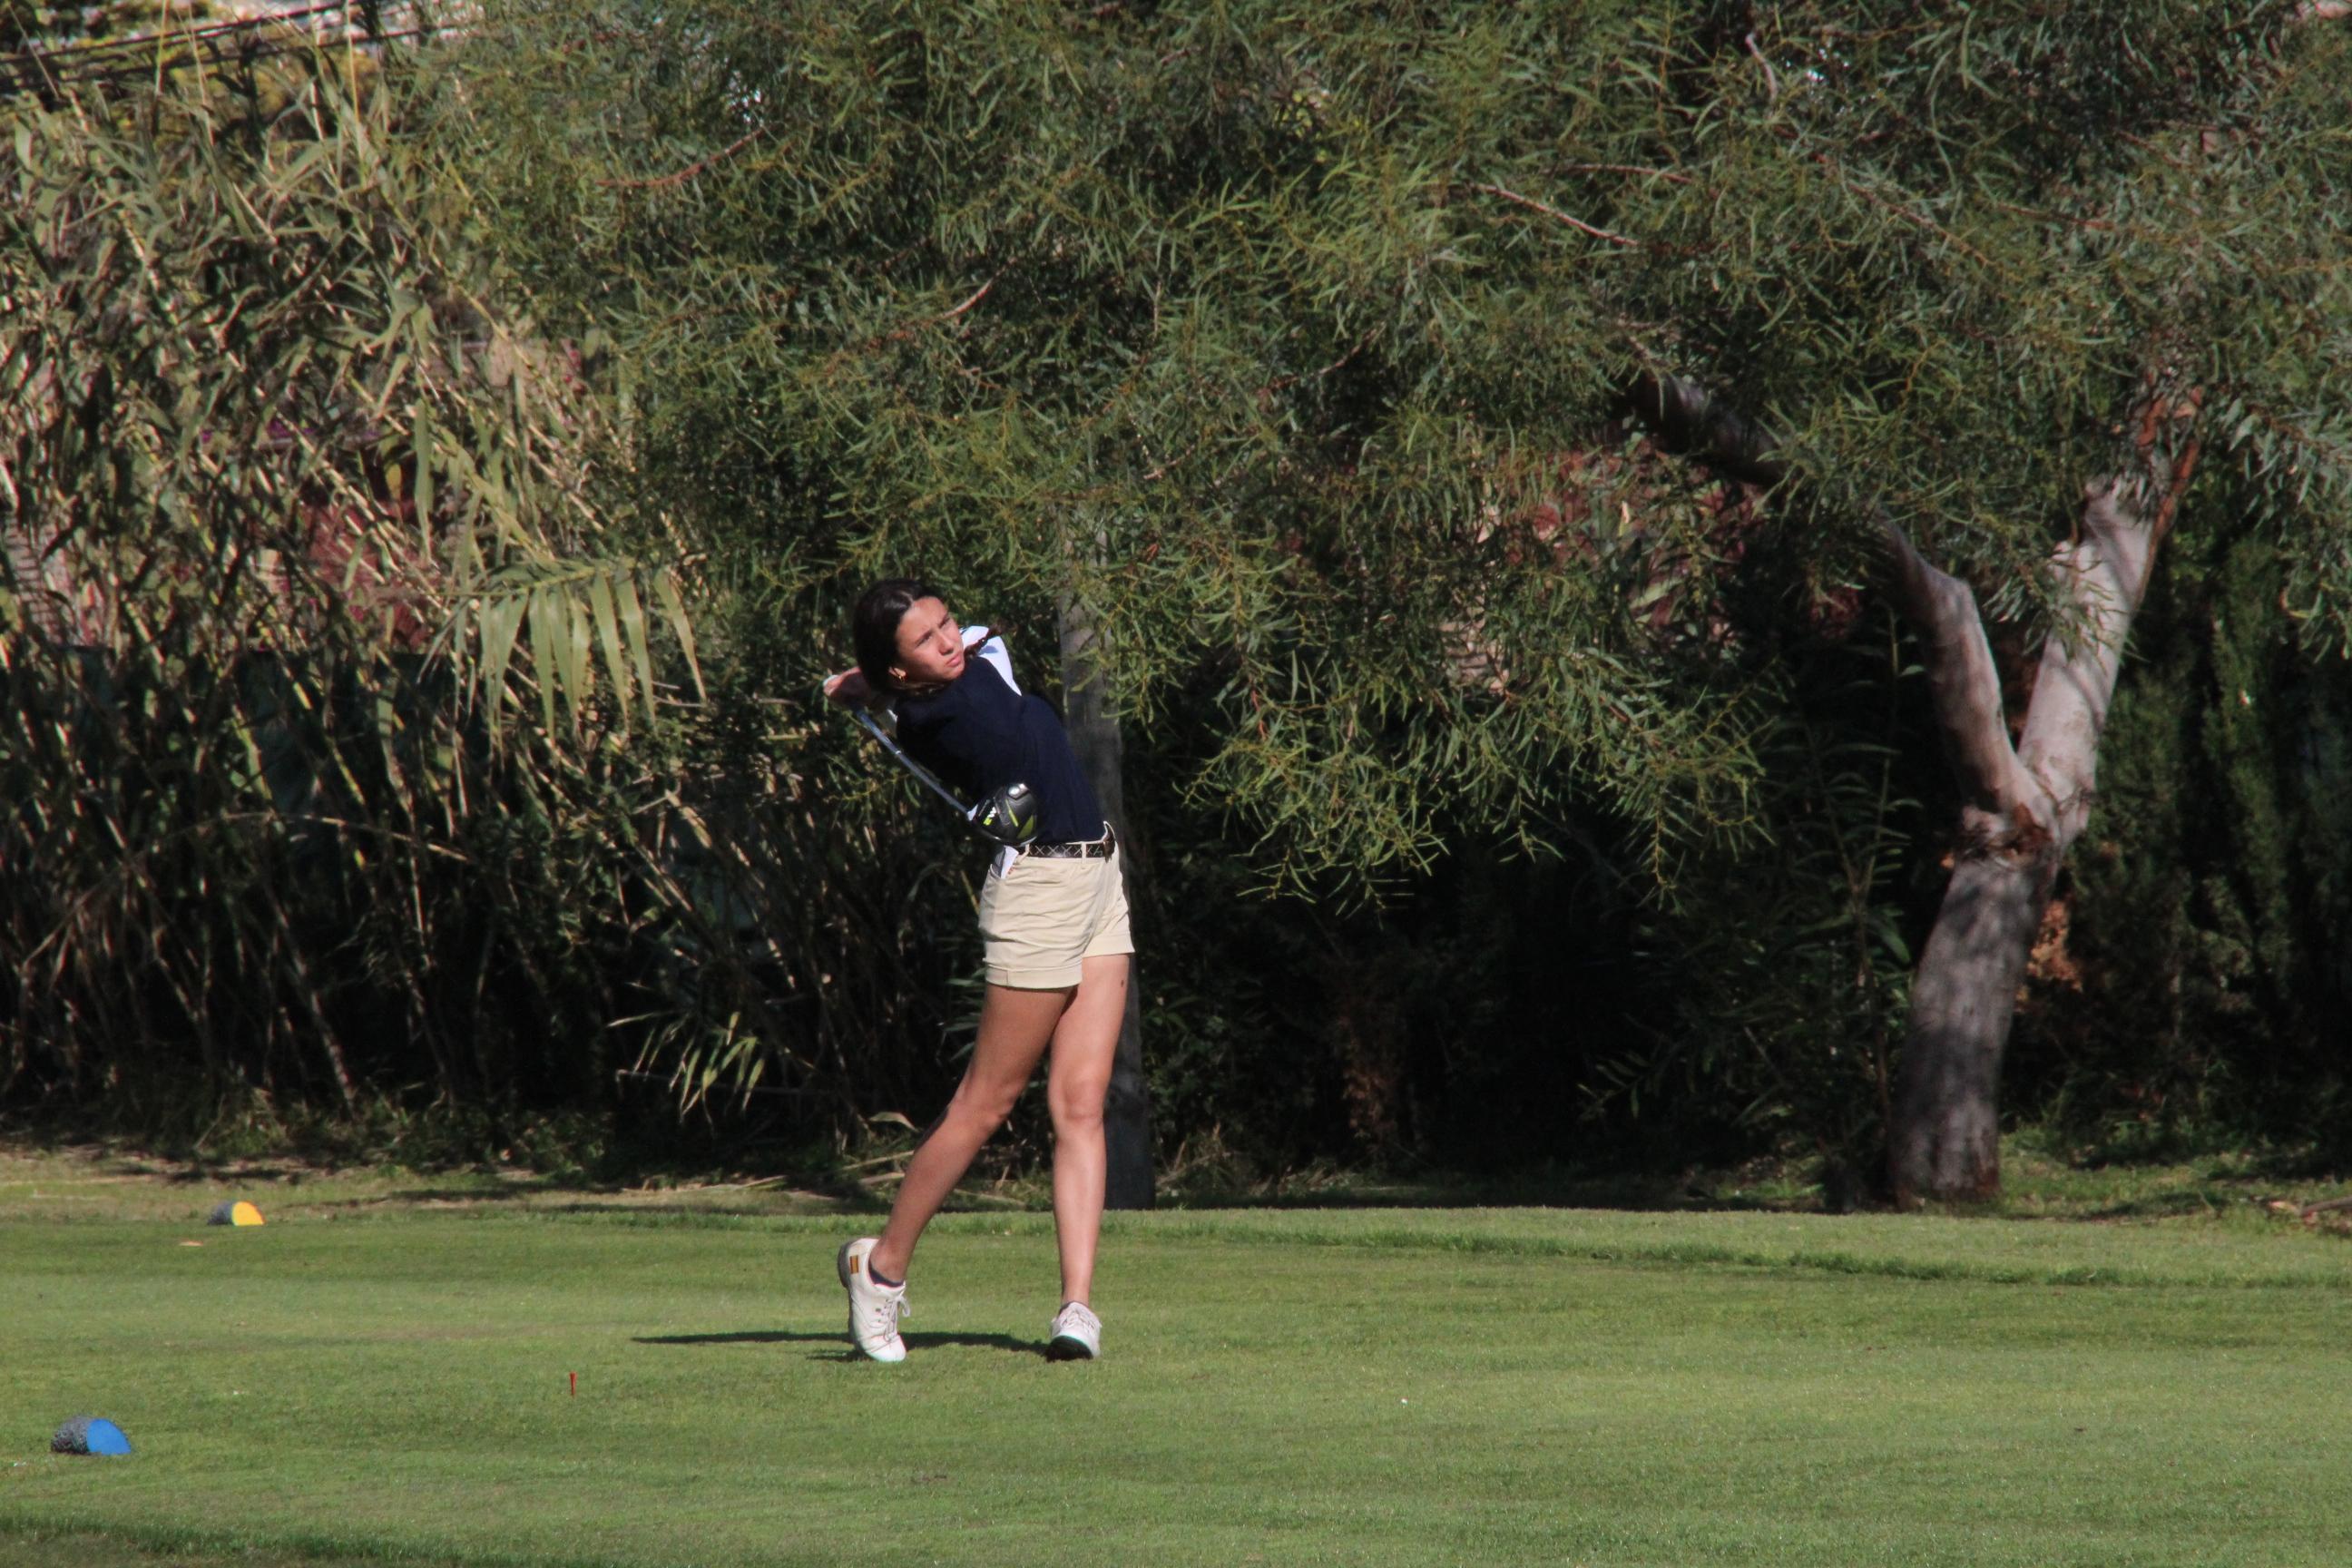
[1945, 1139]
[1094, 736]
[2026, 807]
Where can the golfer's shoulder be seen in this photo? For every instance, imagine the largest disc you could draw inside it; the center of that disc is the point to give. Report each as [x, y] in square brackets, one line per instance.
[987, 647]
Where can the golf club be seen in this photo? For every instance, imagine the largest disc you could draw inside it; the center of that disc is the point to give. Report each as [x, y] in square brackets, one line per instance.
[1007, 817]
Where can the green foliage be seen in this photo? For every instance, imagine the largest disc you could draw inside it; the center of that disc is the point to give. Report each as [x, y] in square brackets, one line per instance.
[249, 364]
[1783, 973]
[270, 459]
[1292, 349]
[1942, 254]
[967, 287]
[1296, 314]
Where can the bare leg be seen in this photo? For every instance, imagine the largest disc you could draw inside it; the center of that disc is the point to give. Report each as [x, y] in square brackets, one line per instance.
[1079, 1078]
[1014, 1027]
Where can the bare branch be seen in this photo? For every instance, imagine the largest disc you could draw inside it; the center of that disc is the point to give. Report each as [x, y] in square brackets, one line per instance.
[1694, 420]
[1550, 211]
[1963, 680]
[2105, 575]
[978, 295]
[1669, 175]
[1960, 671]
[1772, 82]
[663, 181]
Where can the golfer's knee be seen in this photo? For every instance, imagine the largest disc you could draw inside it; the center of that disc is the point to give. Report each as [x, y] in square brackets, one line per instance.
[1076, 1108]
[982, 1110]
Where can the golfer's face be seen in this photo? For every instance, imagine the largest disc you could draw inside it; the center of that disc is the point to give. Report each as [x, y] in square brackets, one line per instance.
[930, 645]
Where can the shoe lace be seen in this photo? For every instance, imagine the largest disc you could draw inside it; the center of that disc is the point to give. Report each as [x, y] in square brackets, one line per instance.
[880, 1314]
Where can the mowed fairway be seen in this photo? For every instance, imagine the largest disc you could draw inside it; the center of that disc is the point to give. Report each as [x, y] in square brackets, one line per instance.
[1523, 1386]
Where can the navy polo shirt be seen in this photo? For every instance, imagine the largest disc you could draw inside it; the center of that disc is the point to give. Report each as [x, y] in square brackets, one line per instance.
[980, 734]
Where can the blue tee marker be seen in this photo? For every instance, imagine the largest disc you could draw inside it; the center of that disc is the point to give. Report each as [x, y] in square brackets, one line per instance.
[90, 1434]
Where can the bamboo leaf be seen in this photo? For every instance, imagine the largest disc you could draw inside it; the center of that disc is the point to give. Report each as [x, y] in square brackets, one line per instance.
[633, 620]
[500, 617]
[680, 624]
[608, 636]
[421, 443]
[545, 668]
[574, 635]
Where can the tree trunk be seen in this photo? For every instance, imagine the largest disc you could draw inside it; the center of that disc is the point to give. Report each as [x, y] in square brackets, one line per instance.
[1945, 1139]
[2026, 807]
[1094, 736]
[2024, 804]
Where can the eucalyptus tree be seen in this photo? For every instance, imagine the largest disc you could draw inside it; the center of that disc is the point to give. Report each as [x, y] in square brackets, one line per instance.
[2044, 288]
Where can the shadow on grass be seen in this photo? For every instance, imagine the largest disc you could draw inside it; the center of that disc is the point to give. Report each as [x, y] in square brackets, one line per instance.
[2217, 1159]
[507, 1191]
[1629, 1195]
[2314, 1163]
[582, 1196]
[2163, 1205]
[834, 1337]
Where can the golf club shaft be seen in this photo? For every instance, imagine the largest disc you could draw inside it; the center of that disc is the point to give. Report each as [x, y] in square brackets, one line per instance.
[923, 773]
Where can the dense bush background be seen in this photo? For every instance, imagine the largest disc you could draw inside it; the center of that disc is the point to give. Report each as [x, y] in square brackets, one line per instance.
[411, 734]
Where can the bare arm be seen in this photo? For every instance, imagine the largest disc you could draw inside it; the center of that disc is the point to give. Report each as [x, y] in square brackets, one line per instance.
[851, 689]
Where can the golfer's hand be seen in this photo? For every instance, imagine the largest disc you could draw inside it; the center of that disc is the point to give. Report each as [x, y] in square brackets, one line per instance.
[849, 690]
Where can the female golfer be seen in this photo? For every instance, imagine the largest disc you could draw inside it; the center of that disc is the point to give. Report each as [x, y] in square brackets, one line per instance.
[1054, 929]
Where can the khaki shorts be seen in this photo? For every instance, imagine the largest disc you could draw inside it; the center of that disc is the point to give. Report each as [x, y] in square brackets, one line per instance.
[1042, 918]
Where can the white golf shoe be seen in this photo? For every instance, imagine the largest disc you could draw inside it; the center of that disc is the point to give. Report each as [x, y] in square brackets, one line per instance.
[1076, 1334]
[875, 1309]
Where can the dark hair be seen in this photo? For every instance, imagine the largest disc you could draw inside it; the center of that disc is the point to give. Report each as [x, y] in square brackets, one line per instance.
[874, 626]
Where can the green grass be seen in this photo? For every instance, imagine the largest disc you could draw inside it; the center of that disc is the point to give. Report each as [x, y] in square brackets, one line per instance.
[381, 1374]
